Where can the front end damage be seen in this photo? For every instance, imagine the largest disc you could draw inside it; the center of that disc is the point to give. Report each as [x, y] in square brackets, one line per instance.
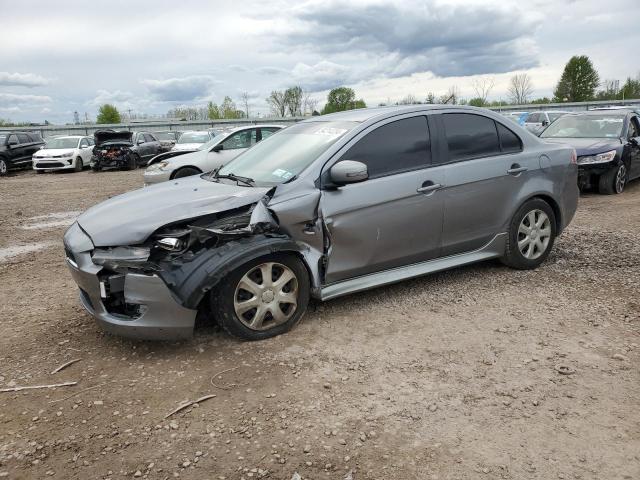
[156, 289]
[112, 150]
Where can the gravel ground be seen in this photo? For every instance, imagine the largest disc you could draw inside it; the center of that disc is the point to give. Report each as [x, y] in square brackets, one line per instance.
[477, 373]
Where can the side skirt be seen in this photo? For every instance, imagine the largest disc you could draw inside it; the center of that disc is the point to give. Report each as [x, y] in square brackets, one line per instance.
[493, 249]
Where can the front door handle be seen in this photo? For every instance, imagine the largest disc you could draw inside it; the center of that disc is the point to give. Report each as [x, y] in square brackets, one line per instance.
[516, 169]
[429, 187]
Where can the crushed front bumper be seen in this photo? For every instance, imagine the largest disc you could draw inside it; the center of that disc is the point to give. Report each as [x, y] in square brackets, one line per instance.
[158, 315]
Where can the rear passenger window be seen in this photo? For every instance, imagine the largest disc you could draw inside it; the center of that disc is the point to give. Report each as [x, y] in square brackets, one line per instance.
[24, 138]
[393, 148]
[470, 136]
[149, 138]
[509, 141]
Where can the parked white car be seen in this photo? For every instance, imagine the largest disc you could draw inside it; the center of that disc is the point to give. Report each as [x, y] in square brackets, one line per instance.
[64, 153]
[218, 152]
[536, 122]
[192, 140]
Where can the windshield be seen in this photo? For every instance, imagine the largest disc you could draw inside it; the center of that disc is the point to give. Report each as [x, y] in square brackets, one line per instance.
[194, 137]
[284, 155]
[209, 144]
[62, 143]
[585, 126]
[554, 116]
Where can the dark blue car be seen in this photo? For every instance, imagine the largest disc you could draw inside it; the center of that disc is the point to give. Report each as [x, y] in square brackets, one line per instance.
[607, 144]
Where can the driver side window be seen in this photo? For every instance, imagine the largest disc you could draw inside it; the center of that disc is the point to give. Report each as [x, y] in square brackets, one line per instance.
[634, 128]
[242, 139]
[12, 139]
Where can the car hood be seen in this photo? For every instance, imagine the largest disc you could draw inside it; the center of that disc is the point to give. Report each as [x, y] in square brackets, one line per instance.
[588, 146]
[187, 146]
[103, 136]
[46, 152]
[130, 218]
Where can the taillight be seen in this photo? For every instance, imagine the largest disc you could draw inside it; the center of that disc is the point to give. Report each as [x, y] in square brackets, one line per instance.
[574, 157]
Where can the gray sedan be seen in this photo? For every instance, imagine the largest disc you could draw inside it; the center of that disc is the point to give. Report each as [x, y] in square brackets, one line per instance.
[217, 152]
[329, 206]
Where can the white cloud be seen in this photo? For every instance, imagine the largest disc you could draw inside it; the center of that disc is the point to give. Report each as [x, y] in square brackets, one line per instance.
[8, 79]
[10, 100]
[182, 89]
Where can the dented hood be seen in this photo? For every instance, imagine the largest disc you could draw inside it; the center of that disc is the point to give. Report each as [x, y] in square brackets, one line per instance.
[130, 218]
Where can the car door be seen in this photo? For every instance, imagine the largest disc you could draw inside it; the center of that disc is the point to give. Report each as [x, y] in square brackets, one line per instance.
[153, 145]
[633, 147]
[13, 149]
[533, 123]
[232, 146]
[24, 149]
[392, 219]
[85, 151]
[485, 167]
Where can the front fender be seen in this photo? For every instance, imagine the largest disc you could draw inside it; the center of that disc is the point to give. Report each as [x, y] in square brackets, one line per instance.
[191, 280]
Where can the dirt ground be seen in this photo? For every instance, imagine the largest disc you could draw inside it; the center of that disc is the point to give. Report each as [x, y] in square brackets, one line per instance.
[477, 373]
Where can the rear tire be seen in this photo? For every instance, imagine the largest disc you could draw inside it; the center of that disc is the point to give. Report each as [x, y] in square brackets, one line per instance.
[186, 172]
[278, 307]
[78, 165]
[613, 181]
[532, 232]
[4, 168]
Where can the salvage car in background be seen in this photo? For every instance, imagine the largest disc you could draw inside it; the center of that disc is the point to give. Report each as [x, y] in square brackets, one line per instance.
[214, 154]
[334, 204]
[167, 139]
[607, 143]
[123, 149]
[71, 152]
[536, 122]
[190, 141]
[17, 148]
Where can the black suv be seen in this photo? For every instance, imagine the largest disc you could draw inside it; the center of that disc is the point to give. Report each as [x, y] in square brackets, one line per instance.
[16, 149]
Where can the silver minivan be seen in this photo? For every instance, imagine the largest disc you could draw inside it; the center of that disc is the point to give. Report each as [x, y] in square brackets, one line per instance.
[332, 205]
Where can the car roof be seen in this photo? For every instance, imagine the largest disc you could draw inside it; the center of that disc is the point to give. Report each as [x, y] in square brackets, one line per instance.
[257, 125]
[366, 114]
[600, 113]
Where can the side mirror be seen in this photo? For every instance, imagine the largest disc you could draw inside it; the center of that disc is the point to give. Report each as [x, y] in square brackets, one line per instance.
[545, 123]
[141, 141]
[217, 148]
[348, 171]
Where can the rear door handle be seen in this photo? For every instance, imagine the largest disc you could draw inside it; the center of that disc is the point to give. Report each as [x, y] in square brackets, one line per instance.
[516, 169]
[429, 188]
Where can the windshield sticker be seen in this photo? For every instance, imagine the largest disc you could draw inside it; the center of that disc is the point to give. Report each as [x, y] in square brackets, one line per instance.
[282, 174]
[331, 132]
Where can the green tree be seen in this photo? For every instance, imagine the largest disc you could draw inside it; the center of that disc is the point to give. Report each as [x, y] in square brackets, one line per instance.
[213, 112]
[228, 108]
[630, 89]
[340, 99]
[293, 100]
[108, 114]
[477, 102]
[578, 82]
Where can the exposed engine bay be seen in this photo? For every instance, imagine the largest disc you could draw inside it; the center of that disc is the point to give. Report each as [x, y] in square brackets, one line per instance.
[112, 150]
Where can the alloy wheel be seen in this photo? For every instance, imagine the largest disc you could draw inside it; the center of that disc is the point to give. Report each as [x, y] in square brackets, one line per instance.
[3, 167]
[621, 179]
[534, 234]
[266, 296]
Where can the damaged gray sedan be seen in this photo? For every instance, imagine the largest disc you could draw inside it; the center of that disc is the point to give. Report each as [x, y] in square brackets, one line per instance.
[332, 205]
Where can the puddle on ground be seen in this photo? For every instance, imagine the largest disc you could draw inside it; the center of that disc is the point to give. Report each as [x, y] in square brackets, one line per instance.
[15, 250]
[51, 220]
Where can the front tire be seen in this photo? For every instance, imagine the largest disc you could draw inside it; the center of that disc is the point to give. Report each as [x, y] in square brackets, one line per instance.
[532, 232]
[4, 168]
[613, 181]
[263, 298]
[78, 165]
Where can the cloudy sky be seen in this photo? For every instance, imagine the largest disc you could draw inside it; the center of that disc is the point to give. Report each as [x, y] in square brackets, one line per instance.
[150, 56]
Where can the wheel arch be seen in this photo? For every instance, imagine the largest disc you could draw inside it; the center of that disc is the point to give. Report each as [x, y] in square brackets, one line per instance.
[191, 280]
[175, 172]
[551, 202]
